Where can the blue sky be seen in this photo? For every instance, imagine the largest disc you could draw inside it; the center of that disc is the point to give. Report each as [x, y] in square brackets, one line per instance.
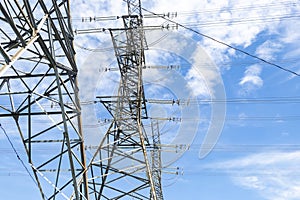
[257, 152]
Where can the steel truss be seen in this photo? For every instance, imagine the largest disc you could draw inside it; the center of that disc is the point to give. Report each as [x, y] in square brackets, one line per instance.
[156, 159]
[39, 93]
[122, 167]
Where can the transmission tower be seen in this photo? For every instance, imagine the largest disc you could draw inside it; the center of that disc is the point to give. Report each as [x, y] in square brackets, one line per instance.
[127, 163]
[39, 96]
[39, 93]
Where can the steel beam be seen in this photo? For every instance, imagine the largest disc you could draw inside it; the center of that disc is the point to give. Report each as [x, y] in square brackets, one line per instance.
[38, 85]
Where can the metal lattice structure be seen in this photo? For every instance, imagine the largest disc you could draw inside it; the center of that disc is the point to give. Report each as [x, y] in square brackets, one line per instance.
[39, 99]
[156, 159]
[39, 93]
[122, 166]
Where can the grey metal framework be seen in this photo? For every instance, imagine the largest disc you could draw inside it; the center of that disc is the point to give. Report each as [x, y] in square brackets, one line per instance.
[156, 159]
[39, 93]
[122, 166]
[39, 101]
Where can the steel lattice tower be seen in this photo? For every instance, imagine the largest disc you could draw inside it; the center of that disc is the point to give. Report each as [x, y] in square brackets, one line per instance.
[39, 96]
[39, 93]
[122, 166]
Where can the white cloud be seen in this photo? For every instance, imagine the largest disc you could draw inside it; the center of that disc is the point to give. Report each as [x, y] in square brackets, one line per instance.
[202, 79]
[268, 49]
[197, 84]
[251, 80]
[230, 27]
[274, 175]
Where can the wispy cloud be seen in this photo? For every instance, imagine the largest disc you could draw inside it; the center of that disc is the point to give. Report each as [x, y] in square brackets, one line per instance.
[251, 80]
[274, 175]
[239, 23]
[268, 49]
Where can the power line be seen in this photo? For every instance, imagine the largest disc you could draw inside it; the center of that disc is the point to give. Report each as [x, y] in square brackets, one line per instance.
[177, 120]
[238, 118]
[190, 25]
[195, 101]
[223, 43]
[271, 148]
[111, 48]
[279, 5]
[233, 21]
[15, 151]
[242, 21]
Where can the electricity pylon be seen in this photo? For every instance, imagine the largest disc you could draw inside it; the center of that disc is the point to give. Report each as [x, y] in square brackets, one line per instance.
[122, 166]
[39, 93]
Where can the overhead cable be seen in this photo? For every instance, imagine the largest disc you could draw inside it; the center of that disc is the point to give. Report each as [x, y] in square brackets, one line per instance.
[15, 151]
[225, 44]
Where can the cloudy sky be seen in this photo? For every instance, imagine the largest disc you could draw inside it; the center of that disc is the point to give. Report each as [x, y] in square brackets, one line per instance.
[258, 150]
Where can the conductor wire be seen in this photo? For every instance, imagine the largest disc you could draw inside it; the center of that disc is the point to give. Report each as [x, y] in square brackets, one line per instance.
[15, 151]
[223, 43]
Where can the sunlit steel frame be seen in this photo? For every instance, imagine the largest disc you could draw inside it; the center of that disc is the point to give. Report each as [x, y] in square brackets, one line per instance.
[121, 167]
[39, 93]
